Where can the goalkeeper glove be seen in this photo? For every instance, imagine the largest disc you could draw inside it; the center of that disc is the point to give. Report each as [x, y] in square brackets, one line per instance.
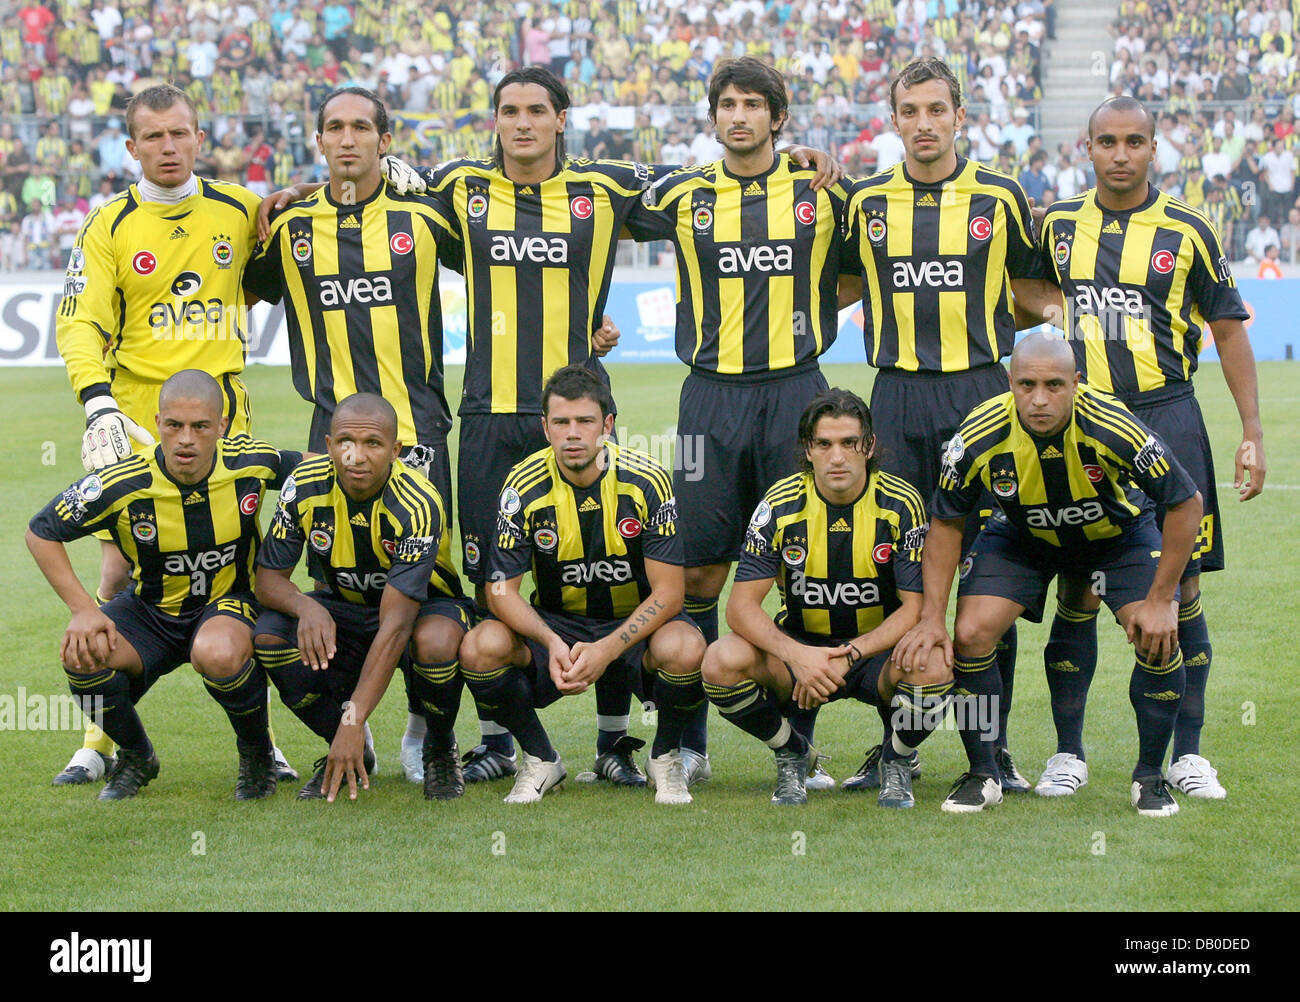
[402, 177]
[109, 434]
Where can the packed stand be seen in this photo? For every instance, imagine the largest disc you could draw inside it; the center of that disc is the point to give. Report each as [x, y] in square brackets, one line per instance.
[1221, 77]
[636, 71]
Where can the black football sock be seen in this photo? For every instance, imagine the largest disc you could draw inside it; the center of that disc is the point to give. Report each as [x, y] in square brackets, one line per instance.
[803, 721]
[749, 708]
[105, 697]
[1005, 651]
[508, 694]
[613, 698]
[676, 698]
[704, 611]
[434, 688]
[918, 711]
[1194, 642]
[301, 689]
[1070, 658]
[979, 692]
[243, 697]
[1155, 694]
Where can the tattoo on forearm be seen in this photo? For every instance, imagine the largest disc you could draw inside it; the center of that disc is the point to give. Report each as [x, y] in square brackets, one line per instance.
[643, 617]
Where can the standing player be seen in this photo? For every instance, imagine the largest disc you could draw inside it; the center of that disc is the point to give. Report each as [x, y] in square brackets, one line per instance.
[184, 518]
[1075, 475]
[842, 540]
[596, 525]
[758, 258]
[378, 540]
[1143, 276]
[941, 241]
[153, 287]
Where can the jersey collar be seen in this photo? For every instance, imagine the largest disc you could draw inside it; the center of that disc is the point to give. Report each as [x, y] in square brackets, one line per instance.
[961, 166]
[1152, 194]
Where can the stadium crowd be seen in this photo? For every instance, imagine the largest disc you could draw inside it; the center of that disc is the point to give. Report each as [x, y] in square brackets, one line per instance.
[256, 68]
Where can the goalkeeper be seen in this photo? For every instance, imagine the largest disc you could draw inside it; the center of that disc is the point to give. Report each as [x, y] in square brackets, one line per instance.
[153, 287]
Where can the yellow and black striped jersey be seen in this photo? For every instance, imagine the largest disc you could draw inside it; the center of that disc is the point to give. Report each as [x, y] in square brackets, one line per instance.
[586, 546]
[187, 544]
[937, 262]
[399, 536]
[1071, 490]
[537, 261]
[758, 263]
[363, 309]
[1140, 287]
[158, 285]
[839, 567]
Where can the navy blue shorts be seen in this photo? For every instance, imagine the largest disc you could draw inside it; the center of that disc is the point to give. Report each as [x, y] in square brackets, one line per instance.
[735, 439]
[1175, 416]
[356, 626]
[1005, 562]
[163, 641]
[627, 669]
[490, 446]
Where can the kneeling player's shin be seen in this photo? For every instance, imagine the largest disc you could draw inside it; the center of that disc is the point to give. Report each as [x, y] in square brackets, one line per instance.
[752, 710]
[918, 710]
[1071, 660]
[507, 693]
[435, 688]
[106, 698]
[979, 695]
[677, 698]
[1155, 693]
[301, 689]
[243, 697]
[1005, 652]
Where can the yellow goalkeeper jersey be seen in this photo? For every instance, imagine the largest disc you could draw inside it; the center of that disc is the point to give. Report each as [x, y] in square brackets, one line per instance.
[153, 288]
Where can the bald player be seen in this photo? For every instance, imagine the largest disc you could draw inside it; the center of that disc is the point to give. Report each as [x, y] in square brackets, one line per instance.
[184, 519]
[1077, 479]
[376, 535]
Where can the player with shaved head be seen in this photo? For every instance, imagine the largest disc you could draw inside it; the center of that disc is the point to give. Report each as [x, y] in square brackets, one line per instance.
[1062, 462]
[1144, 279]
[184, 519]
[376, 535]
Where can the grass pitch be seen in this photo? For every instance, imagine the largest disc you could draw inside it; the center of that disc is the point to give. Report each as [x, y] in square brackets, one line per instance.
[184, 843]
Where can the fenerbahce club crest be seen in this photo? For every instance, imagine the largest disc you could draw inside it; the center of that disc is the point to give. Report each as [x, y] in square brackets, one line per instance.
[1004, 483]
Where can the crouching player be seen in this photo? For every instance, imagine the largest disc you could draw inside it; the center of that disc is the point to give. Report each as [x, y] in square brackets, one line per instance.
[1075, 474]
[184, 517]
[596, 524]
[377, 536]
[842, 540]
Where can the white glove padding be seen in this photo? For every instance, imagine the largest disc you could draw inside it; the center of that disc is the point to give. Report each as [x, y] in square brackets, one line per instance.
[402, 177]
[109, 434]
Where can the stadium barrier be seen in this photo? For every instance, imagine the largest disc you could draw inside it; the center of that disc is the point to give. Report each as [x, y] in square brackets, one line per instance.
[642, 304]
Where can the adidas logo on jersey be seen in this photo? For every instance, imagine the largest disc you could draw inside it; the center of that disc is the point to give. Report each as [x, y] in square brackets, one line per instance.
[840, 526]
[927, 200]
[1112, 227]
[360, 519]
[194, 498]
[526, 190]
[1051, 452]
[754, 188]
[589, 505]
[349, 223]
[178, 233]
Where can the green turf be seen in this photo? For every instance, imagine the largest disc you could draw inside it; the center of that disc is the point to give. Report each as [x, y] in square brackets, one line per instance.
[593, 847]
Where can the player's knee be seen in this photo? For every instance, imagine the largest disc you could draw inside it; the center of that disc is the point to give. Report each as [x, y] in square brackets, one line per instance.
[678, 649]
[485, 648]
[436, 639]
[973, 638]
[218, 657]
[725, 660]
